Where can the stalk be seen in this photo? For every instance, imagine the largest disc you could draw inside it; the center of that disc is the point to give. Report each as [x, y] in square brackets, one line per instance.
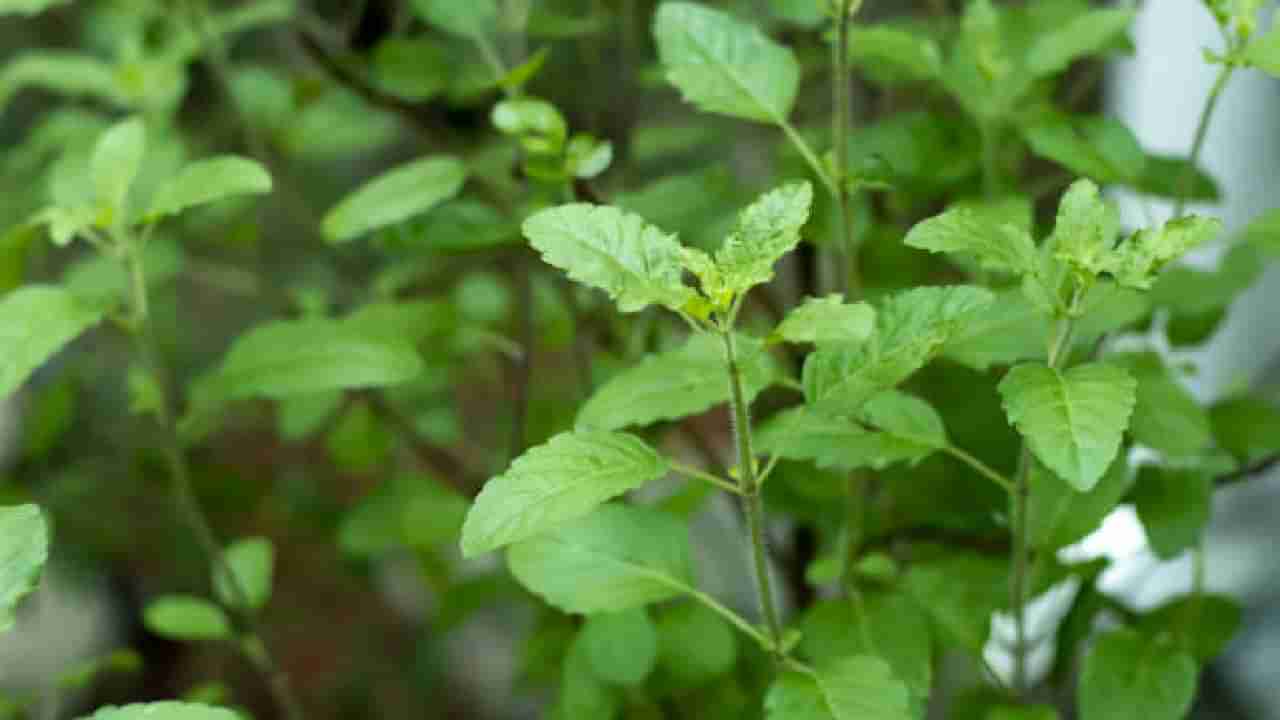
[848, 280]
[1202, 132]
[749, 484]
[847, 261]
[1018, 500]
[184, 495]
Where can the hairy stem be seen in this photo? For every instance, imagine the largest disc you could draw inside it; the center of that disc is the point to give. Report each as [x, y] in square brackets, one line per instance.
[1202, 132]
[184, 494]
[752, 506]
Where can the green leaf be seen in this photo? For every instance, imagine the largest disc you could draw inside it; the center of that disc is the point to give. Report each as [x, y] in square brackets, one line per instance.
[1060, 515]
[1246, 427]
[534, 118]
[1092, 33]
[723, 65]
[617, 558]
[166, 710]
[1073, 420]
[1137, 261]
[1264, 232]
[1086, 228]
[1174, 507]
[885, 624]
[299, 357]
[895, 427]
[411, 510]
[413, 68]
[24, 548]
[68, 73]
[766, 230]
[1098, 147]
[1128, 675]
[186, 617]
[884, 50]
[695, 645]
[252, 562]
[959, 591]
[992, 232]
[115, 162]
[1007, 331]
[1263, 52]
[36, 321]
[583, 694]
[622, 646]
[827, 320]
[27, 7]
[395, 196]
[208, 181]
[1166, 417]
[556, 482]
[472, 18]
[860, 687]
[677, 383]
[911, 327]
[635, 263]
[1204, 623]
[1170, 176]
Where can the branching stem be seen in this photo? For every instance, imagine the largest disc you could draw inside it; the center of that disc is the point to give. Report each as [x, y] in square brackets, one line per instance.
[749, 486]
[184, 493]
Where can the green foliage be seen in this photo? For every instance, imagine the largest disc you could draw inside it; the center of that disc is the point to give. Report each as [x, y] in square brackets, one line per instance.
[1072, 420]
[395, 196]
[1127, 673]
[871, 331]
[844, 689]
[251, 561]
[675, 384]
[635, 263]
[24, 547]
[724, 65]
[617, 558]
[36, 321]
[186, 617]
[557, 482]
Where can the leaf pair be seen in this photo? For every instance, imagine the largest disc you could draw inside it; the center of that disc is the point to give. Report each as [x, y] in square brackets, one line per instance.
[639, 265]
[113, 168]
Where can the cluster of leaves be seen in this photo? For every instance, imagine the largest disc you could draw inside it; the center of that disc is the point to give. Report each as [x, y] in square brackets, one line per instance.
[937, 346]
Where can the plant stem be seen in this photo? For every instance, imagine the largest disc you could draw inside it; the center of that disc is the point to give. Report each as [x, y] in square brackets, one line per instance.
[807, 152]
[696, 474]
[1018, 501]
[1202, 132]
[184, 493]
[983, 469]
[750, 490]
[847, 281]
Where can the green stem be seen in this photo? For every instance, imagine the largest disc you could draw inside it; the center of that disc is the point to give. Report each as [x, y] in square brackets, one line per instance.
[696, 474]
[1202, 132]
[847, 281]
[184, 493]
[1018, 501]
[807, 152]
[983, 469]
[734, 619]
[752, 506]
